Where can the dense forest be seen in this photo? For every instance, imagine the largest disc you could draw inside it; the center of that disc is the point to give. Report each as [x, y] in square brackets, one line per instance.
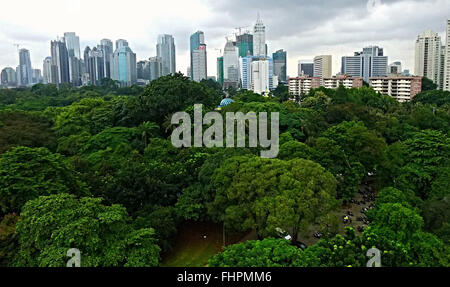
[93, 168]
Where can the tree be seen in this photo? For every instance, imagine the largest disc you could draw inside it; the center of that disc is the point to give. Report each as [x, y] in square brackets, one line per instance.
[26, 173]
[426, 153]
[50, 225]
[25, 129]
[254, 253]
[8, 239]
[170, 94]
[428, 85]
[265, 194]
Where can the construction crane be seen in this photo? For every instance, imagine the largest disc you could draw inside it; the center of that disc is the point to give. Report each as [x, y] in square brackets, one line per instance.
[17, 46]
[240, 30]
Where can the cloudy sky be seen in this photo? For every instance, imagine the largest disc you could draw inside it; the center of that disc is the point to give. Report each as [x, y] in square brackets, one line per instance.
[304, 28]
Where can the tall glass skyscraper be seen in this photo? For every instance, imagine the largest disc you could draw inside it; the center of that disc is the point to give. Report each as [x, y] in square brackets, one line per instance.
[60, 62]
[198, 56]
[25, 71]
[259, 39]
[106, 46]
[124, 65]
[279, 65]
[165, 50]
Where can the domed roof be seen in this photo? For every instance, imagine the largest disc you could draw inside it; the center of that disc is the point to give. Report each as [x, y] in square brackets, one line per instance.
[225, 102]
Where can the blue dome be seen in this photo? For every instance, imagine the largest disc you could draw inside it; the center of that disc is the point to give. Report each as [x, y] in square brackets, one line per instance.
[225, 102]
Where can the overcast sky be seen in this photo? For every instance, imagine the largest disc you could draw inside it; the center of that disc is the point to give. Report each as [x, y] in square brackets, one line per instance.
[304, 28]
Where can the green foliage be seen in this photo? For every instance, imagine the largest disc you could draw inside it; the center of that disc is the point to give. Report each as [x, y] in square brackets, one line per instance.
[428, 85]
[50, 225]
[433, 97]
[266, 253]
[25, 129]
[265, 194]
[8, 239]
[26, 173]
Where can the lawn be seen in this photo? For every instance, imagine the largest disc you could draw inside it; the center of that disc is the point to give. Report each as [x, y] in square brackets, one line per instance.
[196, 242]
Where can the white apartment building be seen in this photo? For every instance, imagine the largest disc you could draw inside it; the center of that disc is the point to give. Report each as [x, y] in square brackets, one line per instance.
[446, 81]
[345, 80]
[428, 56]
[300, 86]
[403, 89]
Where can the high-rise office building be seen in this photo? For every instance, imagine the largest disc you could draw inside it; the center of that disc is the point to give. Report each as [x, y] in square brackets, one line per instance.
[244, 42]
[121, 43]
[47, 70]
[305, 68]
[197, 51]
[366, 64]
[395, 68]
[260, 76]
[199, 63]
[259, 39]
[95, 66]
[165, 50]
[230, 65]
[245, 65]
[220, 70]
[106, 46]
[60, 62]
[8, 77]
[73, 51]
[73, 44]
[124, 65]
[25, 71]
[155, 64]
[323, 66]
[280, 65]
[143, 70]
[428, 56]
[446, 81]
[198, 68]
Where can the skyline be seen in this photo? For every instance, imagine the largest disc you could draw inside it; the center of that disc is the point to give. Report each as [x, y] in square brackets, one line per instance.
[343, 35]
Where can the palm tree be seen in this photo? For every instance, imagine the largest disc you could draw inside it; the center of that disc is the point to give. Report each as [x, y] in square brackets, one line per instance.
[148, 130]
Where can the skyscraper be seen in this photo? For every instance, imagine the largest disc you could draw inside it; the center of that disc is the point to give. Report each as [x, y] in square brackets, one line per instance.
[106, 46]
[47, 70]
[245, 65]
[259, 38]
[165, 50]
[306, 68]
[366, 64]
[124, 65]
[230, 65]
[73, 51]
[260, 76]
[446, 81]
[198, 67]
[322, 66]
[73, 44]
[95, 67]
[121, 43]
[143, 70]
[8, 77]
[244, 43]
[25, 71]
[199, 64]
[279, 65]
[60, 62]
[428, 52]
[220, 70]
[395, 68]
[155, 64]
